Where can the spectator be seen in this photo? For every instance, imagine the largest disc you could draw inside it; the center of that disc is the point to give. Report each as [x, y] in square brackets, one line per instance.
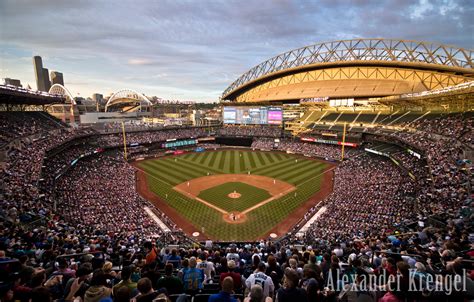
[226, 293]
[193, 277]
[206, 266]
[172, 284]
[236, 277]
[98, 289]
[146, 292]
[259, 277]
[125, 275]
[256, 295]
[289, 291]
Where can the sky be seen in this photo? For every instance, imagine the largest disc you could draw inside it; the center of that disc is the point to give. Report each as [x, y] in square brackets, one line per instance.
[193, 50]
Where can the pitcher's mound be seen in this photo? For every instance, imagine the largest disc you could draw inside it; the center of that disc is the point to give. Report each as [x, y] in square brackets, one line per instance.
[234, 195]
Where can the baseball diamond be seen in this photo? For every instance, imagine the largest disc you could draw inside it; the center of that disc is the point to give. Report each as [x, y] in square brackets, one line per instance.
[275, 189]
[249, 196]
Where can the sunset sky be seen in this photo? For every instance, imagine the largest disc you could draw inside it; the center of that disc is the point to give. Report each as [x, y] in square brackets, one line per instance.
[192, 50]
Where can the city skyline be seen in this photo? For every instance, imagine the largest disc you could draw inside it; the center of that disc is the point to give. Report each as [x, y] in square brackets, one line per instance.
[194, 50]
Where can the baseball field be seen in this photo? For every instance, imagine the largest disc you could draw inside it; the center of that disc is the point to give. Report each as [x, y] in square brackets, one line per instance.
[234, 195]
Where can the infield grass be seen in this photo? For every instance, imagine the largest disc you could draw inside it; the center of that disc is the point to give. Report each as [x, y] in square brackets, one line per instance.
[250, 196]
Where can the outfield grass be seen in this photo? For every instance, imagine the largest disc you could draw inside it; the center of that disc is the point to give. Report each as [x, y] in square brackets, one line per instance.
[250, 196]
[164, 173]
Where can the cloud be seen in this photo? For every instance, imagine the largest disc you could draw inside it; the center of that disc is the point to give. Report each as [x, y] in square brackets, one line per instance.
[141, 62]
[200, 47]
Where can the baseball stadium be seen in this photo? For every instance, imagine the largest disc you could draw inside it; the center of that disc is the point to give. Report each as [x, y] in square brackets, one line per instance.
[352, 154]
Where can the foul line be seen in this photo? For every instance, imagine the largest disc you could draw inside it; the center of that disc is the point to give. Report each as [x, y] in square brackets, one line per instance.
[151, 175]
[324, 172]
[200, 200]
[258, 205]
[281, 195]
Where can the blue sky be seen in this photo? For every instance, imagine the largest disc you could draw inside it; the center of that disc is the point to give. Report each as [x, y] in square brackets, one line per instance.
[192, 50]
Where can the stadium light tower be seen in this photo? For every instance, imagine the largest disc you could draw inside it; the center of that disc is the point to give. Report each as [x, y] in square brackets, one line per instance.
[343, 141]
[124, 141]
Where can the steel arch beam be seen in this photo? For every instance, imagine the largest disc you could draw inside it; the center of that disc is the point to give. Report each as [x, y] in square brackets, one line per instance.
[61, 90]
[382, 52]
[365, 81]
[124, 96]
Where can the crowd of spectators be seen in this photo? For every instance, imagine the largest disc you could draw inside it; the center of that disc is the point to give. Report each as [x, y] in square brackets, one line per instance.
[459, 126]
[251, 130]
[370, 196]
[14, 125]
[147, 137]
[209, 146]
[20, 171]
[417, 166]
[104, 189]
[330, 152]
[450, 173]
[130, 126]
[55, 165]
[97, 242]
[425, 265]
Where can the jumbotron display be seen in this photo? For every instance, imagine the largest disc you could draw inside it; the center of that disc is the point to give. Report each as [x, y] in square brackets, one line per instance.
[253, 115]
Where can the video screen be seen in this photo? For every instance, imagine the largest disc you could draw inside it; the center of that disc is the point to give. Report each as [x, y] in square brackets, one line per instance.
[253, 115]
[275, 116]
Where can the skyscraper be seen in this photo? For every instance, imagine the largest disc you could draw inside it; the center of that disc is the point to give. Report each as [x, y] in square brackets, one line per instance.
[47, 83]
[39, 74]
[56, 78]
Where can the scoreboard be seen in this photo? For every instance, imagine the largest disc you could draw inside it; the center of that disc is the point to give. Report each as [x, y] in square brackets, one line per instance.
[253, 115]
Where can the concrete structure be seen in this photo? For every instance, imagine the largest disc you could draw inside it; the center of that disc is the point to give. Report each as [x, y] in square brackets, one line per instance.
[360, 68]
[13, 82]
[57, 78]
[39, 74]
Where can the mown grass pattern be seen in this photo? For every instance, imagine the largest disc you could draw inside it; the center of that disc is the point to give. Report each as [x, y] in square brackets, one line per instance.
[164, 173]
[250, 196]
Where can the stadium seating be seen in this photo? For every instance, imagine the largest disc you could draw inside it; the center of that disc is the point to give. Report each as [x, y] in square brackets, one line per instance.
[69, 208]
[18, 124]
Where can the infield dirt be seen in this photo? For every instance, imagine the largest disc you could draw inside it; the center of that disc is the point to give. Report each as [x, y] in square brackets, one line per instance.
[274, 186]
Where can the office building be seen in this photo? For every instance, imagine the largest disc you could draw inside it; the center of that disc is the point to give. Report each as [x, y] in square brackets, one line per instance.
[47, 83]
[13, 82]
[98, 98]
[39, 74]
[42, 75]
[56, 78]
